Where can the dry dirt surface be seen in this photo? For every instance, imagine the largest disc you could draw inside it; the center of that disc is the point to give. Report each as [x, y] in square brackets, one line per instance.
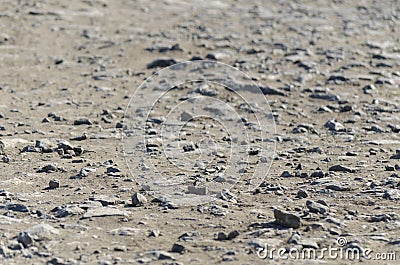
[329, 70]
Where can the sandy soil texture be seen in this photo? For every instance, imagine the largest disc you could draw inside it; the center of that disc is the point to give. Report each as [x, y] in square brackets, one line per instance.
[69, 140]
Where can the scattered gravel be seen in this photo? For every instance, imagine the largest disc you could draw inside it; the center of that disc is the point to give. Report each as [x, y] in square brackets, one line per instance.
[329, 71]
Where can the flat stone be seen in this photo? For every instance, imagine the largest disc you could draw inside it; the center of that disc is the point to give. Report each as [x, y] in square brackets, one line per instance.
[6, 220]
[395, 242]
[7, 144]
[251, 87]
[42, 231]
[197, 190]
[124, 231]
[318, 174]
[68, 210]
[392, 194]
[301, 194]
[106, 200]
[338, 187]
[65, 145]
[48, 169]
[316, 207]
[309, 243]
[46, 145]
[161, 255]
[385, 142]
[218, 55]
[161, 62]
[16, 207]
[105, 212]
[340, 168]
[83, 121]
[58, 261]
[90, 204]
[258, 243]
[186, 116]
[380, 218]
[75, 227]
[324, 96]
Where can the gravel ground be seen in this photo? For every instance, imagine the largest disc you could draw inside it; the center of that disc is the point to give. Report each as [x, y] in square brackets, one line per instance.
[329, 70]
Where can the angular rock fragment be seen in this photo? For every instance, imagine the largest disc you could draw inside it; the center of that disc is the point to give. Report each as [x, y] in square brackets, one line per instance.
[334, 126]
[325, 96]
[381, 218]
[67, 210]
[340, 168]
[338, 187]
[318, 174]
[287, 219]
[369, 89]
[337, 79]
[177, 248]
[207, 90]
[106, 200]
[113, 170]
[46, 145]
[54, 184]
[226, 195]
[15, 207]
[25, 239]
[316, 207]
[221, 236]
[161, 62]
[47, 169]
[186, 116]
[5, 159]
[309, 243]
[138, 199]
[392, 194]
[83, 121]
[397, 155]
[301, 194]
[286, 174]
[80, 138]
[218, 55]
